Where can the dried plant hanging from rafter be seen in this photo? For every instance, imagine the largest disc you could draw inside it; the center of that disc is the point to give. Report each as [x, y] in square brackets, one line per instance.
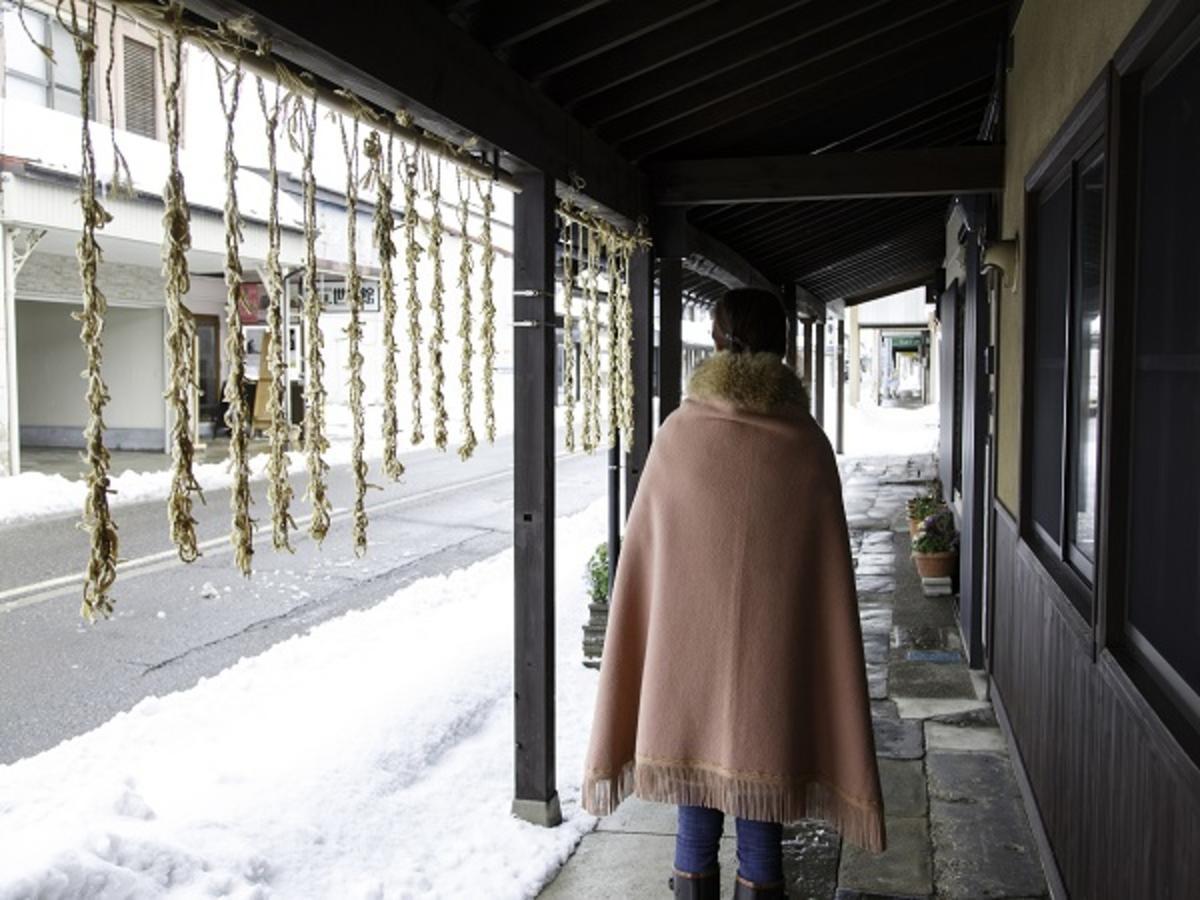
[97, 518]
[379, 175]
[467, 348]
[279, 487]
[487, 329]
[122, 180]
[303, 133]
[624, 315]
[181, 332]
[354, 332]
[567, 239]
[432, 176]
[591, 342]
[411, 160]
[615, 372]
[237, 415]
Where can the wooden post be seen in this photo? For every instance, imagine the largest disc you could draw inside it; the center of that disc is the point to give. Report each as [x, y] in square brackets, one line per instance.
[641, 295]
[839, 444]
[789, 306]
[806, 371]
[670, 335]
[534, 239]
[819, 372]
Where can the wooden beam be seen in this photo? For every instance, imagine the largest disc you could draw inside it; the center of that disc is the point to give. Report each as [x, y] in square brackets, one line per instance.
[676, 237]
[534, 240]
[839, 442]
[789, 305]
[447, 80]
[670, 338]
[818, 397]
[503, 28]
[830, 176]
[641, 296]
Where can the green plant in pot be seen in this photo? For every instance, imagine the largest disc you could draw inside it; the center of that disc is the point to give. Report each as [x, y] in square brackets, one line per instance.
[923, 506]
[935, 547]
[596, 579]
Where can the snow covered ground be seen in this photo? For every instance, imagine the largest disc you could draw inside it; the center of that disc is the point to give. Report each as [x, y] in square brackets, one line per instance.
[890, 430]
[369, 758]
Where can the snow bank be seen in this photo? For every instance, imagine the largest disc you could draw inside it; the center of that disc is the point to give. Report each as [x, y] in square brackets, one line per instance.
[371, 757]
[35, 495]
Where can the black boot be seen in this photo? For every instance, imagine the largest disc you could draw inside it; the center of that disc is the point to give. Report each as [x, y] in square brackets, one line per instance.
[706, 886]
[749, 890]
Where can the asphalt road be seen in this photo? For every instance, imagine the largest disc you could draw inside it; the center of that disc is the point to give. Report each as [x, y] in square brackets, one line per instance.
[175, 624]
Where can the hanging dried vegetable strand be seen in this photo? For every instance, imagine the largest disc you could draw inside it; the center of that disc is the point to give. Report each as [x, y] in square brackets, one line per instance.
[615, 371]
[487, 330]
[304, 137]
[433, 185]
[279, 487]
[568, 284]
[181, 329]
[465, 268]
[625, 324]
[380, 176]
[412, 254]
[237, 416]
[595, 246]
[97, 518]
[585, 341]
[122, 180]
[354, 333]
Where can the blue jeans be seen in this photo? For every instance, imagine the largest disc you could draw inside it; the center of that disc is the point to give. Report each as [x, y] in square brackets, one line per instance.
[759, 851]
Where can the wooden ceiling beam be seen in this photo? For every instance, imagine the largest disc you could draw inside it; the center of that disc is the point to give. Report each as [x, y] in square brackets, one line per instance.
[447, 80]
[597, 32]
[706, 33]
[502, 28]
[827, 176]
[676, 237]
[784, 93]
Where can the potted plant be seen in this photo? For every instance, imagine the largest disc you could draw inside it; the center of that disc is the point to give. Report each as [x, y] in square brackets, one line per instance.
[935, 547]
[922, 507]
[596, 579]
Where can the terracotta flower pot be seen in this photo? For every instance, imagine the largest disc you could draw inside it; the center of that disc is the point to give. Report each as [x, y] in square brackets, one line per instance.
[936, 565]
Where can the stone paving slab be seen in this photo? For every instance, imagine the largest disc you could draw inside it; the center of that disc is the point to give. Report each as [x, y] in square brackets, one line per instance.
[928, 707]
[619, 866]
[925, 637]
[924, 679]
[810, 860]
[981, 837]
[898, 738]
[939, 736]
[903, 784]
[642, 817]
[905, 867]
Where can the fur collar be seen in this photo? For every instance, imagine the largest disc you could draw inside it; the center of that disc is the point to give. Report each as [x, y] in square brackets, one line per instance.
[754, 382]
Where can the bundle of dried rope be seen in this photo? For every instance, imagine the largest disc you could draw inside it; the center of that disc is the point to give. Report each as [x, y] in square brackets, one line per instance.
[567, 238]
[411, 160]
[432, 176]
[279, 487]
[181, 332]
[465, 267]
[487, 330]
[237, 416]
[354, 333]
[379, 175]
[97, 519]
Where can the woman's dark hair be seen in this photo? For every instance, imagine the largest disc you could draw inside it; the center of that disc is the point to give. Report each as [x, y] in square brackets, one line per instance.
[751, 320]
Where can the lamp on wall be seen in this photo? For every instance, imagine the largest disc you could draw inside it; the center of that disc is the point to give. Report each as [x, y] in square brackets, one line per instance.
[1004, 256]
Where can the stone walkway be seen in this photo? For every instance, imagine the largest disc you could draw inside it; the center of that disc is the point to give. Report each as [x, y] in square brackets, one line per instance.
[956, 826]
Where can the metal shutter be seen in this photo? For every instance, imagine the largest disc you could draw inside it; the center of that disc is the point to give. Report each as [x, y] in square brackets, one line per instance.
[140, 108]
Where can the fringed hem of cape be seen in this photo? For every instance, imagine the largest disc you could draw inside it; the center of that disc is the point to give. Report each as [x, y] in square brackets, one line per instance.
[747, 795]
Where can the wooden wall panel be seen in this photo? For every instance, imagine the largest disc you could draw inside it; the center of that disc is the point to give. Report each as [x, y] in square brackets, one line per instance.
[1118, 798]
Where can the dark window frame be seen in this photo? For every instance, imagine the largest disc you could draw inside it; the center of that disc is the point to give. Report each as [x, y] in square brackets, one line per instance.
[1083, 136]
[1148, 56]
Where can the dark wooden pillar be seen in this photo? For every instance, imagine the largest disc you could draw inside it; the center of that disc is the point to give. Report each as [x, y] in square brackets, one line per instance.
[839, 443]
[670, 335]
[789, 306]
[819, 372]
[806, 372]
[534, 239]
[641, 296]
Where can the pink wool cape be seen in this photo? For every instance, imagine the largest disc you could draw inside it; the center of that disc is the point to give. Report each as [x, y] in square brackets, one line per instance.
[732, 675]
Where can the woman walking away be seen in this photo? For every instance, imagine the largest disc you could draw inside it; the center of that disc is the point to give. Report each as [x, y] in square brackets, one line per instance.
[732, 680]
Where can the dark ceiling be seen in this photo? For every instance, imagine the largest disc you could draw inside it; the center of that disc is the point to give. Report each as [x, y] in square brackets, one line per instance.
[687, 79]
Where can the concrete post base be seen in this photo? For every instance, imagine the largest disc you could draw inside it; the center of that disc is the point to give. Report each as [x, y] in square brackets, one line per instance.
[546, 813]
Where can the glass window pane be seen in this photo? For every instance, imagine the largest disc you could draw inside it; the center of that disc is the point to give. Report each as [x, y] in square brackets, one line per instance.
[66, 61]
[1051, 284]
[1085, 365]
[20, 53]
[67, 101]
[1164, 597]
[28, 91]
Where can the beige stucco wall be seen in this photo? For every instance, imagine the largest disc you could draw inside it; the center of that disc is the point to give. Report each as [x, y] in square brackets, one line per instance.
[1060, 47]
